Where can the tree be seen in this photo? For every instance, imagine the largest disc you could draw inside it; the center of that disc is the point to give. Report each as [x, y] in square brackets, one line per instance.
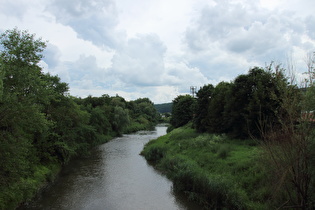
[204, 97]
[100, 120]
[21, 47]
[215, 120]
[182, 110]
[120, 119]
[253, 97]
[20, 119]
[20, 56]
[1, 78]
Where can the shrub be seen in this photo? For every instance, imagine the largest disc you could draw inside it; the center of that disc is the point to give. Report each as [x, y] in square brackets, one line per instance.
[213, 192]
[154, 153]
[224, 151]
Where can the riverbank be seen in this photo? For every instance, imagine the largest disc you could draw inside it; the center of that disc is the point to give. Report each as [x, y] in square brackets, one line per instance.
[27, 188]
[113, 171]
[42, 176]
[211, 169]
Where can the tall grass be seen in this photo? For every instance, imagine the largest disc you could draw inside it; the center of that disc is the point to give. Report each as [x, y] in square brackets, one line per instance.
[211, 169]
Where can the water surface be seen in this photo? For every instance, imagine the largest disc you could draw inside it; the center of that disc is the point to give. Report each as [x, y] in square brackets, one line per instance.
[114, 177]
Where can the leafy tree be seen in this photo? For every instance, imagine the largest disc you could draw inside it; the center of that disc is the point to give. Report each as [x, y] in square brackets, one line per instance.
[120, 119]
[216, 120]
[204, 96]
[1, 78]
[118, 101]
[142, 114]
[20, 56]
[20, 118]
[182, 110]
[253, 97]
[21, 47]
[100, 120]
[146, 108]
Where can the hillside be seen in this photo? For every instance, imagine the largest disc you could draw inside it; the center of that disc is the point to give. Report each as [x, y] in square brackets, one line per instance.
[163, 108]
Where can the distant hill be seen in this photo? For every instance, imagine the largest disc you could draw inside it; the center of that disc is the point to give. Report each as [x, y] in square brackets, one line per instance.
[163, 108]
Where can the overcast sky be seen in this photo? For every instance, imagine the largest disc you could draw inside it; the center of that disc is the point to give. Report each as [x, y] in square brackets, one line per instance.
[159, 48]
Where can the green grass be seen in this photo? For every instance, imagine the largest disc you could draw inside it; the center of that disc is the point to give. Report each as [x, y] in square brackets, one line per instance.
[214, 170]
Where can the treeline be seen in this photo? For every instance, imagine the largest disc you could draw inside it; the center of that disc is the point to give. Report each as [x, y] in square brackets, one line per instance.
[269, 107]
[241, 108]
[42, 127]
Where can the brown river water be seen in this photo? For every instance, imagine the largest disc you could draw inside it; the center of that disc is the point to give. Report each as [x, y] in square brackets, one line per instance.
[114, 177]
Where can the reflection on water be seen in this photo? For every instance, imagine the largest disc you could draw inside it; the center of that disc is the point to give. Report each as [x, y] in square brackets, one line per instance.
[114, 177]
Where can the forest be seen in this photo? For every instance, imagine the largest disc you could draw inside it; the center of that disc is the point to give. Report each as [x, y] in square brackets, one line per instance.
[244, 144]
[42, 127]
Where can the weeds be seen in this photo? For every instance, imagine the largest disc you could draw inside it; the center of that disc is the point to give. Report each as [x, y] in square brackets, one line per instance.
[224, 151]
[211, 169]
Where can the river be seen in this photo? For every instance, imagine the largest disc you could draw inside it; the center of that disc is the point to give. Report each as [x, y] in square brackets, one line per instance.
[114, 177]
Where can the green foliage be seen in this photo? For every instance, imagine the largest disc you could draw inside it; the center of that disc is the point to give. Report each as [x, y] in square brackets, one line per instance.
[203, 100]
[216, 119]
[20, 46]
[288, 152]
[308, 103]
[41, 125]
[214, 170]
[240, 107]
[120, 119]
[182, 110]
[25, 189]
[224, 151]
[164, 108]
[2, 72]
[155, 153]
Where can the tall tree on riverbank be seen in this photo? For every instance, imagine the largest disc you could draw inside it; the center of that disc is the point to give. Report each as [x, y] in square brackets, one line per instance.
[253, 97]
[204, 97]
[216, 118]
[182, 110]
[20, 118]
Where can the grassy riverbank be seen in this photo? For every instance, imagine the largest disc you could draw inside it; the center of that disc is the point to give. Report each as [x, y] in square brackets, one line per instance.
[211, 169]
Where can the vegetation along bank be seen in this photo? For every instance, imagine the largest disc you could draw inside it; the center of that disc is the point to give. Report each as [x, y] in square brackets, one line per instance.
[244, 144]
[42, 127]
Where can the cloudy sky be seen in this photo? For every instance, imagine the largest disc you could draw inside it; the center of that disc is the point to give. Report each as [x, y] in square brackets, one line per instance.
[159, 48]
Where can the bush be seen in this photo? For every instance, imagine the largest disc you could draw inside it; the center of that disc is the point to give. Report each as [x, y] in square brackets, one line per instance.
[154, 153]
[224, 151]
[212, 191]
[211, 169]
[169, 129]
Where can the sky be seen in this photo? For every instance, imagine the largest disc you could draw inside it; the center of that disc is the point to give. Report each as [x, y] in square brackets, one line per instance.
[158, 49]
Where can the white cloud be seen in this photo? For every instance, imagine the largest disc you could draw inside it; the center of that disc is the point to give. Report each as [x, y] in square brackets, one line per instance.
[93, 20]
[158, 49]
[140, 61]
[229, 38]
